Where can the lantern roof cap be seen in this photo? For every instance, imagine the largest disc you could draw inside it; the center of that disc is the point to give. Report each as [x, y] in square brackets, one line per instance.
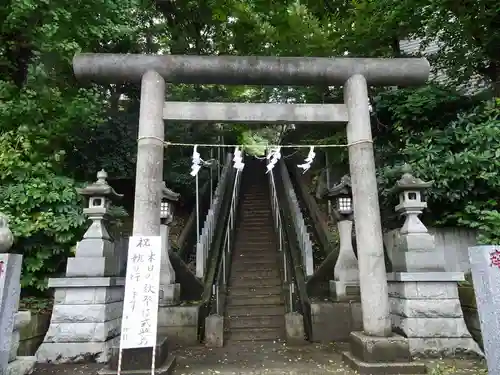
[410, 182]
[100, 188]
[344, 187]
[169, 194]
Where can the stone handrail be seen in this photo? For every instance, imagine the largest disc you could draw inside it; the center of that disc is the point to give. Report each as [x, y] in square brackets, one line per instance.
[305, 243]
[207, 233]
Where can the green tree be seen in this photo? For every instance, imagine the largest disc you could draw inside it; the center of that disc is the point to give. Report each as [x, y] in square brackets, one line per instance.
[41, 108]
[468, 32]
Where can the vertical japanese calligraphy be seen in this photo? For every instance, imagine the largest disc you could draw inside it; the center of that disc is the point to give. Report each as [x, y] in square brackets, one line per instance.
[140, 309]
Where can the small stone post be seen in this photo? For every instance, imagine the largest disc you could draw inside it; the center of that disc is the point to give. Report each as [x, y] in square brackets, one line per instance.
[424, 298]
[88, 301]
[11, 320]
[345, 285]
[170, 291]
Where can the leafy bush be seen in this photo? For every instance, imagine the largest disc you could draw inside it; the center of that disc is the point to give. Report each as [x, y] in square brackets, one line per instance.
[43, 207]
[451, 140]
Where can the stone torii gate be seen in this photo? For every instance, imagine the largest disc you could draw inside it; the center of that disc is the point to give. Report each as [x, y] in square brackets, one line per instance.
[354, 74]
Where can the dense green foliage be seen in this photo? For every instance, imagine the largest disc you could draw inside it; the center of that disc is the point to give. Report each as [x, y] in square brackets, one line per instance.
[41, 111]
[450, 140]
[55, 133]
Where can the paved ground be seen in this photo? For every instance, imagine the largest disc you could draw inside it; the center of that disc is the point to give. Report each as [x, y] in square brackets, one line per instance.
[268, 359]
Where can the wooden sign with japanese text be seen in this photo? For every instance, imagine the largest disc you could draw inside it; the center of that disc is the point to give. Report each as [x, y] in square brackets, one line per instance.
[140, 307]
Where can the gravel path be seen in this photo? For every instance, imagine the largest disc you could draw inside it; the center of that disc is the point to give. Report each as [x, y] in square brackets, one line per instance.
[267, 358]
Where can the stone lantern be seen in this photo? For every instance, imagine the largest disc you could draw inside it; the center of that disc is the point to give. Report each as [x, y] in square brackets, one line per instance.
[346, 272]
[95, 253]
[88, 301]
[99, 196]
[424, 297]
[167, 207]
[342, 194]
[411, 204]
[415, 249]
[169, 289]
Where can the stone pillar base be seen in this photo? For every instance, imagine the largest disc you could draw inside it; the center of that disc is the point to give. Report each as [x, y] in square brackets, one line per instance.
[425, 307]
[170, 295]
[137, 361]
[86, 320]
[179, 324]
[344, 291]
[21, 366]
[381, 355]
[348, 318]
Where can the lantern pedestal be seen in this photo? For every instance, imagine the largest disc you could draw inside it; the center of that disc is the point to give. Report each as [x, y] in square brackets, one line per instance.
[344, 291]
[170, 291]
[170, 294]
[86, 319]
[345, 285]
[88, 302]
[425, 308]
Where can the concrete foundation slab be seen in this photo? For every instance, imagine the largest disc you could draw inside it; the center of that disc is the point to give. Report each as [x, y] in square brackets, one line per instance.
[21, 366]
[367, 368]
[379, 349]
[166, 369]
[381, 355]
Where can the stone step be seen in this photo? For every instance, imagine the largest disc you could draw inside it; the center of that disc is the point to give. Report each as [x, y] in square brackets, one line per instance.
[256, 220]
[255, 252]
[263, 208]
[264, 225]
[249, 261]
[254, 300]
[239, 274]
[257, 249]
[264, 242]
[263, 321]
[253, 281]
[259, 290]
[266, 273]
[262, 310]
[256, 211]
[255, 262]
[255, 274]
[255, 334]
[260, 237]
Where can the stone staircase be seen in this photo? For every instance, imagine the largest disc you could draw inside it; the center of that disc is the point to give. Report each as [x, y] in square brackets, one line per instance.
[255, 307]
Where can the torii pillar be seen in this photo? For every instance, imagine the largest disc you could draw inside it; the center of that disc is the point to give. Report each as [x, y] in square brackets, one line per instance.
[377, 342]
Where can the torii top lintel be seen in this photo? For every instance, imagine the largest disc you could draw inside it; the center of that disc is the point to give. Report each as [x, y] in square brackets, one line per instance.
[250, 70]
